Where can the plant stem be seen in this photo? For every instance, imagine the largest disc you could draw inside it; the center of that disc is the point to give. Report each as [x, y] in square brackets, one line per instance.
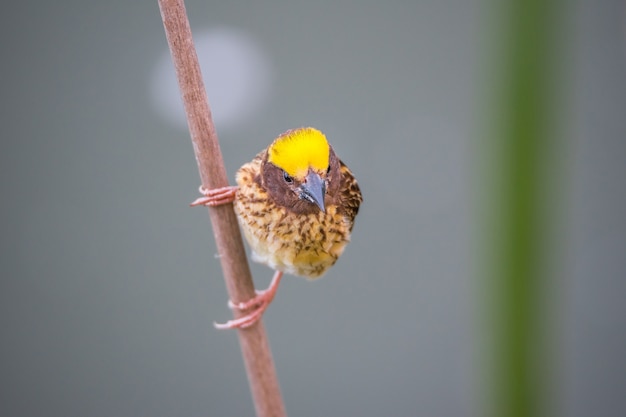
[254, 345]
[523, 134]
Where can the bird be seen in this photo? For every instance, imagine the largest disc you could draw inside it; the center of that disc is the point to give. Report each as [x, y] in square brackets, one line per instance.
[296, 203]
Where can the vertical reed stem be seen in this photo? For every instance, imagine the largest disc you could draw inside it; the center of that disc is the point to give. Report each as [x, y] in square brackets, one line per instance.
[254, 344]
[522, 133]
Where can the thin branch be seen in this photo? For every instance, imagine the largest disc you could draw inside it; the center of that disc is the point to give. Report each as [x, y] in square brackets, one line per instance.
[254, 345]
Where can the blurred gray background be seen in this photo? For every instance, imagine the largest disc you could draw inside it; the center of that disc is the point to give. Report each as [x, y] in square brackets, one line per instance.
[109, 284]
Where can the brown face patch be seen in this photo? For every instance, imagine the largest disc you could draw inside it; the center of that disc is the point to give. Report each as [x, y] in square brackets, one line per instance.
[287, 194]
[333, 180]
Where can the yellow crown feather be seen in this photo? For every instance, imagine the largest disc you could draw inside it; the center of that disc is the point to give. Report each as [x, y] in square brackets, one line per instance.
[298, 150]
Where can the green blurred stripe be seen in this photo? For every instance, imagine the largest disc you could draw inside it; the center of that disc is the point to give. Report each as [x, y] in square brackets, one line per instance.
[521, 119]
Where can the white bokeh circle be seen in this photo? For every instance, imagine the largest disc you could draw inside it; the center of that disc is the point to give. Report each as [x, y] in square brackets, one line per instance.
[237, 76]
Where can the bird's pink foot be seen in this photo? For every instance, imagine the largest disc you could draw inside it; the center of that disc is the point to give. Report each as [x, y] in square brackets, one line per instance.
[260, 303]
[216, 196]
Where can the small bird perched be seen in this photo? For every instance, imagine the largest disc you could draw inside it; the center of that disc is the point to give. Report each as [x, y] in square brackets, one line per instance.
[296, 203]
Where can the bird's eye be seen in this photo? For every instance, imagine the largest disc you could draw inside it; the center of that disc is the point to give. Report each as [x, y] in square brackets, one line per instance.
[287, 177]
[328, 169]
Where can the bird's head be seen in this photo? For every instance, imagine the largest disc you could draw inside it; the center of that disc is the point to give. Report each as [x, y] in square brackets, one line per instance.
[298, 169]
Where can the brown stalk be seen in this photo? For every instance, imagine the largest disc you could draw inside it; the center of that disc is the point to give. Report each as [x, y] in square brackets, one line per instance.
[254, 345]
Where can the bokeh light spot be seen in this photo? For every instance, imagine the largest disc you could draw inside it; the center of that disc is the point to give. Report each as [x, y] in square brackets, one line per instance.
[237, 76]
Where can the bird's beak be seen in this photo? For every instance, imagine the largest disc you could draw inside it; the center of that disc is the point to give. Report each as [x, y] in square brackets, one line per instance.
[313, 189]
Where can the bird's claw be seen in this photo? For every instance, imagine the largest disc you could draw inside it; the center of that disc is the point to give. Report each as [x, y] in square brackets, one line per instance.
[260, 302]
[242, 322]
[215, 197]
